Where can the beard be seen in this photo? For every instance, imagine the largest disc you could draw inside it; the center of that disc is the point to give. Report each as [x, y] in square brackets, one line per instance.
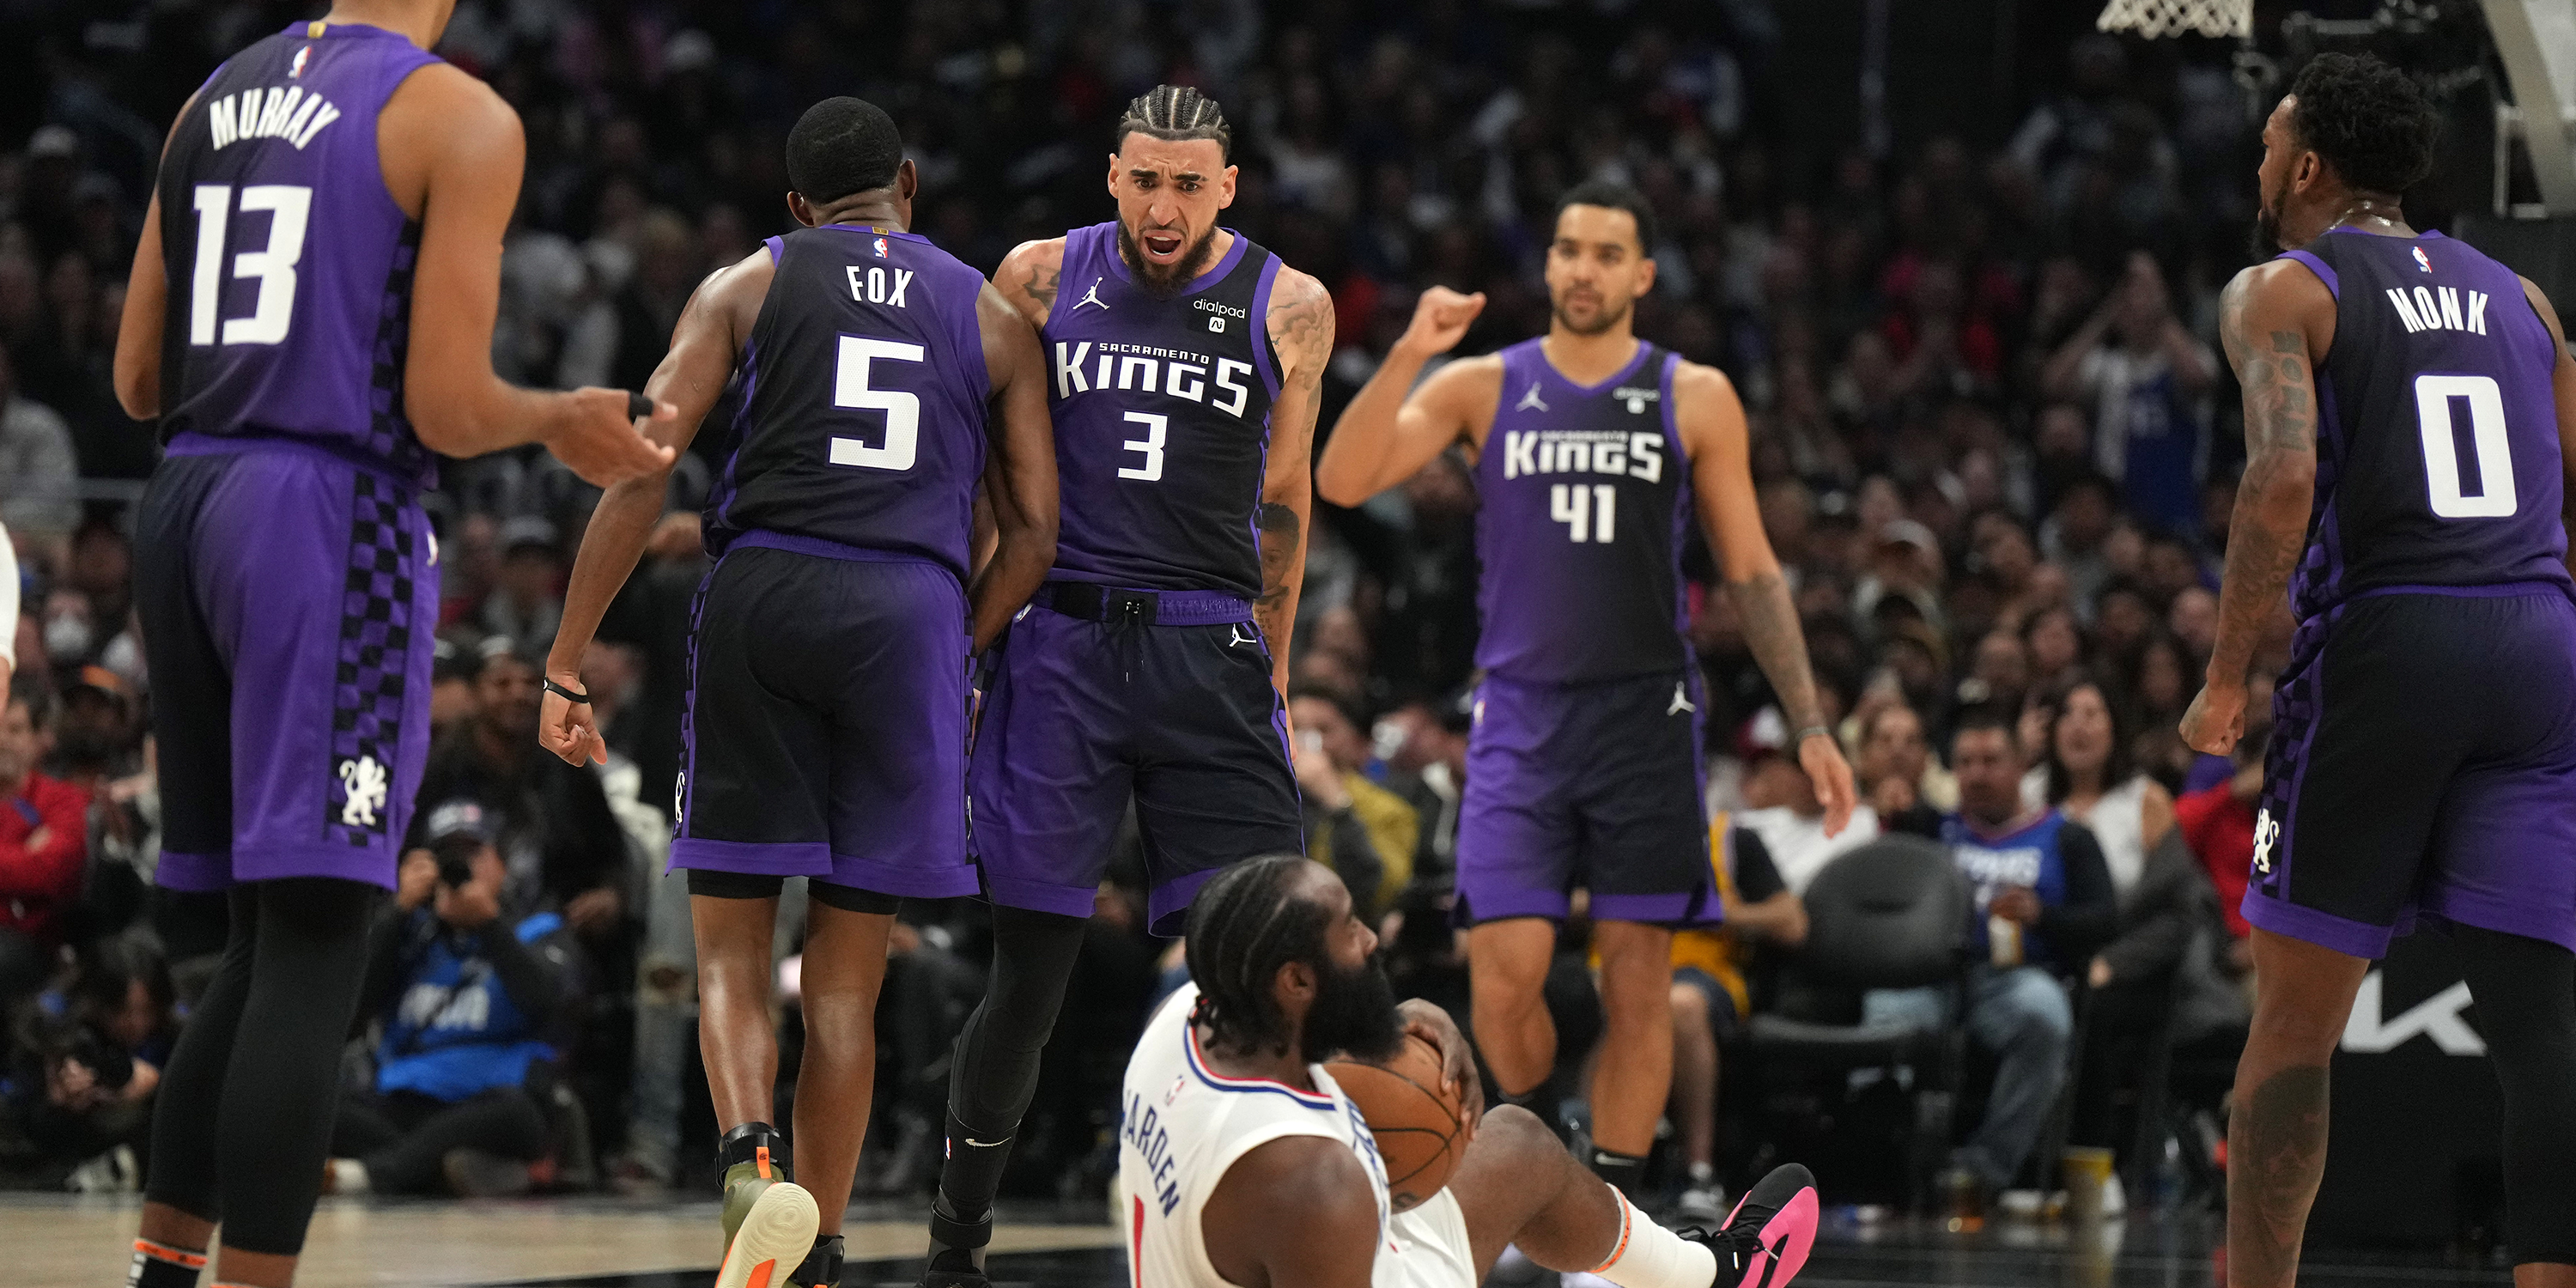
[1160, 282]
[1354, 1012]
[2267, 224]
[1608, 317]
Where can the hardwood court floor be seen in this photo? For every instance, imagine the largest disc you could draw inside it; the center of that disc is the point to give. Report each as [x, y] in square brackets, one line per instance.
[56, 1242]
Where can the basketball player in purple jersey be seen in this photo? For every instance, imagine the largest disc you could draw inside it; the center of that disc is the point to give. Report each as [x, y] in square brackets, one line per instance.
[1593, 450]
[1183, 364]
[825, 731]
[310, 318]
[2408, 409]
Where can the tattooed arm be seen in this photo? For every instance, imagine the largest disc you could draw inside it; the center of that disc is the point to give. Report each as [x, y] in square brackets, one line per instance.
[1028, 275]
[1301, 328]
[2276, 321]
[1711, 420]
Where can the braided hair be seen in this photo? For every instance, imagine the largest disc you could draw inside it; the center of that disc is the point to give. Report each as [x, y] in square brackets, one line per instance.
[1247, 922]
[1177, 112]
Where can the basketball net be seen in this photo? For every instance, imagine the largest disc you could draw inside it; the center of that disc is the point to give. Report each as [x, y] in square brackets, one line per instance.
[2157, 18]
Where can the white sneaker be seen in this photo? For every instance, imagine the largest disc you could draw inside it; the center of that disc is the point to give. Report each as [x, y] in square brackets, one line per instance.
[776, 1234]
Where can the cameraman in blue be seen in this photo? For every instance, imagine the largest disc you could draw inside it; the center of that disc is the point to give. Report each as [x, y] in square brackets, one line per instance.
[468, 996]
[2044, 905]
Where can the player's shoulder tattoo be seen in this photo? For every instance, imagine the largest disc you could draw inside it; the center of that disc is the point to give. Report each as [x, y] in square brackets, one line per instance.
[1029, 274]
[1301, 323]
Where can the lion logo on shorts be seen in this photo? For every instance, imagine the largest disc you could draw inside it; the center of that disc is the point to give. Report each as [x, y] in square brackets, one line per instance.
[364, 783]
[2265, 833]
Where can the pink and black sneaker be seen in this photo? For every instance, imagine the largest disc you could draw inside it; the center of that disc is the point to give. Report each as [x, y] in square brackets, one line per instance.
[1765, 1241]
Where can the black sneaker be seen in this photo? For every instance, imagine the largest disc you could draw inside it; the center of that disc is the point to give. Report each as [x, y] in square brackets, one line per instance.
[1765, 1241]
[957, 1250]
[821, 1267]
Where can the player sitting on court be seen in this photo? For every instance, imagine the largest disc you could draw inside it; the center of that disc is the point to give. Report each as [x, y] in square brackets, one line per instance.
[1244, 1162]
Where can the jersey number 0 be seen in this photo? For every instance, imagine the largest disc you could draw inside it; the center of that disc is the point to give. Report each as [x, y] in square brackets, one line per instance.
[2488, 445]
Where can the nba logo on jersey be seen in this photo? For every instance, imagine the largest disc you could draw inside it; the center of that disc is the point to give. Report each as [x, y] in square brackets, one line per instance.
[881, 248]
[2423, 261]
[300, 56]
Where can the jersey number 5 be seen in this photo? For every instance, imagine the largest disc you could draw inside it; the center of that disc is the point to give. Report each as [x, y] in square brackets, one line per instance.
[2434, 396]
[902, 410]
[273, 266]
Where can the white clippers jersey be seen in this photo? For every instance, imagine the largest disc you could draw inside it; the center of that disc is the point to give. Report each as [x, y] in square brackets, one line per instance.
[1185, 1125]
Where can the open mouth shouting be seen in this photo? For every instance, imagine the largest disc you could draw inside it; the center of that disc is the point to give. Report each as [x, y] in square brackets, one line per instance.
[1165, 259]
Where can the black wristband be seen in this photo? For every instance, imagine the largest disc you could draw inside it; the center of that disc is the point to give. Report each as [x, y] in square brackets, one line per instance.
[638, 406]
[564, 693]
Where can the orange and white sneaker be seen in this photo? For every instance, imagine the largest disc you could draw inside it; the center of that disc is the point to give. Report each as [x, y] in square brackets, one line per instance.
[769, 1225]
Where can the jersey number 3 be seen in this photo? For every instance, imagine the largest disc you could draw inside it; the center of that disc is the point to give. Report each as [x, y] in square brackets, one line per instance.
[2488, 443]
[274, 265]
[902, 410]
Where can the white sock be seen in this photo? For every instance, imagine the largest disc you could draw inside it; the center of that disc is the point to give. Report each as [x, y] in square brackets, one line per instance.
[1650, 1256]
[348, 1176]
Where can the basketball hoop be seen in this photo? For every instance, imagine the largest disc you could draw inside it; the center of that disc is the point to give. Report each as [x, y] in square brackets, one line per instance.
[2154, 19]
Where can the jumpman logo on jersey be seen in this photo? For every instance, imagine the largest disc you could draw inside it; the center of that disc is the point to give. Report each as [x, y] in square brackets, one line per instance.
[1681, 700]
[1531, 401]
[1237, 631]
[1092, 296]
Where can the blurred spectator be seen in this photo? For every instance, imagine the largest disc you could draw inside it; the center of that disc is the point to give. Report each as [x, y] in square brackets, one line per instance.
[1711, 1000]
[2088, 774]
[452, 668]
[44, 843]
[2147, 379]
[466, 992]
[1782, 810]
[526, 604]
[1425, 747]
[2044, 904]
[550, 821]
[39, 476]
[1896, 774]
[617, 341]
[1353, 826]
[97, 734]
[89, 1057]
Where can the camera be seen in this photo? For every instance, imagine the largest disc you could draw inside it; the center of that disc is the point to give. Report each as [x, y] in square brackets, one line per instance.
[455, 855]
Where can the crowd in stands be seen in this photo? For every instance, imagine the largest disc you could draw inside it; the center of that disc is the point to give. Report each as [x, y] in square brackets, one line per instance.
[1990, 432]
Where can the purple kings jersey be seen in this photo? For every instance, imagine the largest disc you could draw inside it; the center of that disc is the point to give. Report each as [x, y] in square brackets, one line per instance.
[2437, 445]
[1585, 496]
[289, 264]
[1162, 419]
[863, 399]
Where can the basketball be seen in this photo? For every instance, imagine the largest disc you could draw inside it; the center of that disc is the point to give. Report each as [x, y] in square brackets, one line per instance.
[1412, 1115]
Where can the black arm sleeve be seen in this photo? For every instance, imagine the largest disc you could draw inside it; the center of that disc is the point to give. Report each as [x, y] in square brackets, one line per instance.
[2078, 927]
[533, 983]
[1756, 877]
